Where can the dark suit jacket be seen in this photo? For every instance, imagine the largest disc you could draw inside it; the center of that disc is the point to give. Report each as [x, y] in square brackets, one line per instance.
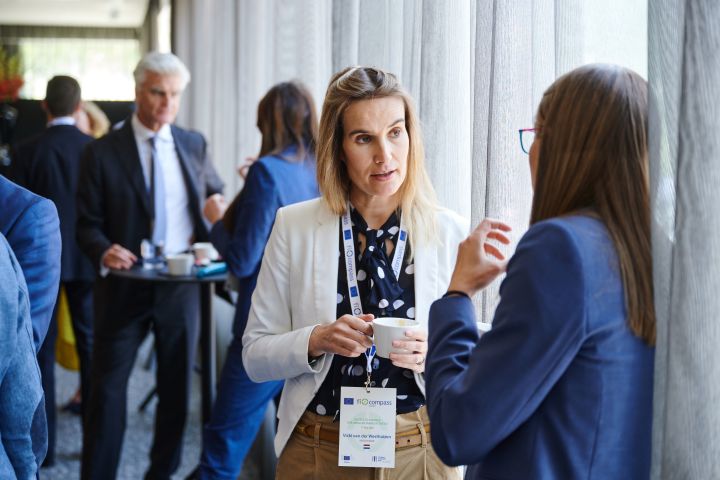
[114, 205]
[49, 164]
[30, 224]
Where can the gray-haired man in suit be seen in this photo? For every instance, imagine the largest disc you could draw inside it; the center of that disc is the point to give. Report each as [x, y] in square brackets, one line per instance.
[146, 180]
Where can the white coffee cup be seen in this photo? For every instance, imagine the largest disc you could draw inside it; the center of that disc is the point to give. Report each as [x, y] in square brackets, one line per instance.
[180, 264]
[388, 329]
[204, 252]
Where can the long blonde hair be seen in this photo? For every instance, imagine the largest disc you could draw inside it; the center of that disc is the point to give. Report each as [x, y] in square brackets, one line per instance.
[418, 199]
[99, 122]
[594, 155]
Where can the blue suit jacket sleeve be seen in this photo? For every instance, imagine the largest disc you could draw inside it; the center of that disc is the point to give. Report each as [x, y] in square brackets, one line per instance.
[9, 306]
[254, 218]
[35, 239]
[20, 388]
[479, 392]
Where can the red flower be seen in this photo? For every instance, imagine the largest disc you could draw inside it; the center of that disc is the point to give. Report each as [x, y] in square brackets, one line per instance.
[10, 88]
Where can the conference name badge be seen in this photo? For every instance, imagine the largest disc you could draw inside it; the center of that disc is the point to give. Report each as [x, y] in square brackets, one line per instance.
[367, 427]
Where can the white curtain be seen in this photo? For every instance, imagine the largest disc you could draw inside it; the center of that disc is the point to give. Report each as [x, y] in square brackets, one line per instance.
[520, 48]
[476, 68]
[506, 79]
[684, 69]
[236, 51]
[428, 45]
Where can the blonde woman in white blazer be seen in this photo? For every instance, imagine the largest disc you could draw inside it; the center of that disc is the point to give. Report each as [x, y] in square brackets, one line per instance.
[300, 329]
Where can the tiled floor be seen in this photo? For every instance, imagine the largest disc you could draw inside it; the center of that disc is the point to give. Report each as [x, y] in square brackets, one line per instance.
[138, 436]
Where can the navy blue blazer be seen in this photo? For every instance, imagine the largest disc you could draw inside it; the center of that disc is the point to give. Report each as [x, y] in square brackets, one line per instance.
[30, 224]
[48, 164]
[20, 388]
[560, 387]
[271, 183]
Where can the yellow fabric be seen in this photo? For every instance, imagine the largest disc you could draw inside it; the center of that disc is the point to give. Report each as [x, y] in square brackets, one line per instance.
[65, 352]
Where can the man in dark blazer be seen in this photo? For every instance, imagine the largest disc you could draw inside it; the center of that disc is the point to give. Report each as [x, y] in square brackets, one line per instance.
[146, 180]
[49, 165]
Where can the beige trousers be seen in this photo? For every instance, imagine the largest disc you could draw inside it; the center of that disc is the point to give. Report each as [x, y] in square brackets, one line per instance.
[306, 458]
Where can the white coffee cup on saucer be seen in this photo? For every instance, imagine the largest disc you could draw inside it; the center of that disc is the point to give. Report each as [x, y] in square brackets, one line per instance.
[388, 329]
[180, 264]
[204, 252]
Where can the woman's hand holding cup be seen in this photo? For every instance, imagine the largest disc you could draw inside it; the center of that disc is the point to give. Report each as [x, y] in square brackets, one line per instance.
[348, 336]
[417, 347]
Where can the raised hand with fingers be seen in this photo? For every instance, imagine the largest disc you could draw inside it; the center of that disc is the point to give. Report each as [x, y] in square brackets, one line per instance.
[478, 261]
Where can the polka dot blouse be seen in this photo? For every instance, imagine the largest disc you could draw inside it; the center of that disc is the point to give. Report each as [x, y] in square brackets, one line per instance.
[383, 296]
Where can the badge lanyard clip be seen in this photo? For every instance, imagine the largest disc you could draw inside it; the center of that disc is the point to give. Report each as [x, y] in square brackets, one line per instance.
[369, 355]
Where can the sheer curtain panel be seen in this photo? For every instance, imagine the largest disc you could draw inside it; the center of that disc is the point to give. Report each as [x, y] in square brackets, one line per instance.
[236, 51]
[684, 79]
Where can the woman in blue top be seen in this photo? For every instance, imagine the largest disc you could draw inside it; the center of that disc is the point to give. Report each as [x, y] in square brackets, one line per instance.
[561, 387]
[283, 174]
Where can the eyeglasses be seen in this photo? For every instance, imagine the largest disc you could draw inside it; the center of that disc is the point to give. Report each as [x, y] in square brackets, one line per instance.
[527, 137]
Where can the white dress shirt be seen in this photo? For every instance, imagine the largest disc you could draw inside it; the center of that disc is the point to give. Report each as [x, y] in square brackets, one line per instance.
[67, 120]
[179, 222]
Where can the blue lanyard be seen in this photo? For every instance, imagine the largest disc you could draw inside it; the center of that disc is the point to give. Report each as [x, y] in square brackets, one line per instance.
[350, 271]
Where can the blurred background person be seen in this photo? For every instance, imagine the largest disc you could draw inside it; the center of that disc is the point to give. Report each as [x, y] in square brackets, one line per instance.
[147, 180]
[90, 119]
[302, 326]
[49, 165]
[283, 174]
[562, 385]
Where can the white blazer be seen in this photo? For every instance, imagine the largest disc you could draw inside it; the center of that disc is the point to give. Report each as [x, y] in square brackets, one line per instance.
[297, 290]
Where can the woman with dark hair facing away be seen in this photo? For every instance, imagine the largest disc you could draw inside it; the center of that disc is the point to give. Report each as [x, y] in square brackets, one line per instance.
[284, 173]
[376, 245]
[561, 387]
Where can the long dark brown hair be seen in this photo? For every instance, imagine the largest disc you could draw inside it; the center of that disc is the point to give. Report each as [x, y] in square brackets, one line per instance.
[286, 117]
[594, 156]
